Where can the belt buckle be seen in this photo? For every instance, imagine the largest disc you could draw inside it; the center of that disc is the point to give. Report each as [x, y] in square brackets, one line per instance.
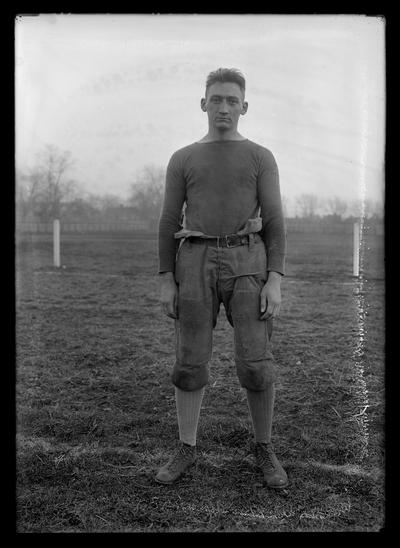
[227, 241]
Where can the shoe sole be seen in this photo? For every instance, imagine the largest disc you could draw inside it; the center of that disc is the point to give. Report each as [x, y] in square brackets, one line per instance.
[172, 481]
[278, 487]
[166, 482]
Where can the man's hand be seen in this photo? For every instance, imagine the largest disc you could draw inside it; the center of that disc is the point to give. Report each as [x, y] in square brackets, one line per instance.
[271, 296]
[169, 294]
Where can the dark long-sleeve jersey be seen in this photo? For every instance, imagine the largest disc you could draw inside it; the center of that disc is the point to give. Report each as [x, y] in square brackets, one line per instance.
[223, 184]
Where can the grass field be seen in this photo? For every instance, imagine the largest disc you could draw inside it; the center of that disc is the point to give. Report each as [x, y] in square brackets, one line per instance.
[95, 406]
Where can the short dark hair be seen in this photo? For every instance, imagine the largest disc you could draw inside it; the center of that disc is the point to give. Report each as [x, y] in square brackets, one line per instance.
[226, 75]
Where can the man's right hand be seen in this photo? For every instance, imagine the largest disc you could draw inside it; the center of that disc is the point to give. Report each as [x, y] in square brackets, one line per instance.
[169, 294]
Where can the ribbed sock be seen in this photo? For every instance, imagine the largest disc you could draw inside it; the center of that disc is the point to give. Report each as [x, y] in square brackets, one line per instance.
[261, 407]
[188, 405]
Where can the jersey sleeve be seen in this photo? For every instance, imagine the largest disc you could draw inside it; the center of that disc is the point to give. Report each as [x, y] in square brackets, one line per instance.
[273, 229]
[170, 218]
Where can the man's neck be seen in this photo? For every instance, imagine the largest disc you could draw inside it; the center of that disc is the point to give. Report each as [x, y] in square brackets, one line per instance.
[222, 136]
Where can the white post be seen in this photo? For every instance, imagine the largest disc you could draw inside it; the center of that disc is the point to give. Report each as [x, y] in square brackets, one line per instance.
[356, 249]
[56, 243]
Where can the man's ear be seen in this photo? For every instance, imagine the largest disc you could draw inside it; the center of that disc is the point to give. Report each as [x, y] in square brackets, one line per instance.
[244, 107]
[203, 105]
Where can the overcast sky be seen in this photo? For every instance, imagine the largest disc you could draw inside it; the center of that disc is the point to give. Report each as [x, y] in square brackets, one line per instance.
[122, 91]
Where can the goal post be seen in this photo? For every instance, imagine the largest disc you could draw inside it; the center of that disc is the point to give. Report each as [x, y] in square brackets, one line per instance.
[56, 243]
[356, 250]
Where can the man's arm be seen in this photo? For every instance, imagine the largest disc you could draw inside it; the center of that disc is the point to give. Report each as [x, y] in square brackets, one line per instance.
[273, 233]
[174, 197]
[169, 223]
[273, 223]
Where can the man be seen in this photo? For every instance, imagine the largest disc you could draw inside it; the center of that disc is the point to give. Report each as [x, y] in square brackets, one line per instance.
[231, 249]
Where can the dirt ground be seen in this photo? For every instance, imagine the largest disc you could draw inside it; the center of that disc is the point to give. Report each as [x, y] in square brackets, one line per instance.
[95, 406]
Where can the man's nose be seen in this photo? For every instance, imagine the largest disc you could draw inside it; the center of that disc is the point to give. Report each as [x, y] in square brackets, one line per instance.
[223, 107]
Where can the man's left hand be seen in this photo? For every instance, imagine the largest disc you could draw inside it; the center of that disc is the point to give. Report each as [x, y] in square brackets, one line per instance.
[270, 298]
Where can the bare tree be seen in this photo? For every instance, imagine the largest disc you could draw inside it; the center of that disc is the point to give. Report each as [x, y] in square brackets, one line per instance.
[307, 205]
[336, 206]
[104, 202]
[46, 186]
[147, 194]
[79, 210]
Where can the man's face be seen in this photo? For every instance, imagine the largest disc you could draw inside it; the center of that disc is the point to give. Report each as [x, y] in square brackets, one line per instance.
[224, 103]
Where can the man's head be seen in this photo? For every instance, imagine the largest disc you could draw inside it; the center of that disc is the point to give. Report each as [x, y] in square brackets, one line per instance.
[234, 76]
[224, 101]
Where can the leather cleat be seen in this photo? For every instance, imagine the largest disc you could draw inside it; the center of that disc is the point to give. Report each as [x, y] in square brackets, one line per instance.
[184, 457]
[274, 475]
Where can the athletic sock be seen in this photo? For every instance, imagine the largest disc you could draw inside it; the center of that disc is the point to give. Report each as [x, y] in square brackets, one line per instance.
[261, 407]
[188, 405]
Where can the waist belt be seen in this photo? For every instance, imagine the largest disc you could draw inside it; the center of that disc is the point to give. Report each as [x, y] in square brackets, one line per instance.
[230, 240]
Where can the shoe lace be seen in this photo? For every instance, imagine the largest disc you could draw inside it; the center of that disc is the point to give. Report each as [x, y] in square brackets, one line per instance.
[264, 453]
[180, 458]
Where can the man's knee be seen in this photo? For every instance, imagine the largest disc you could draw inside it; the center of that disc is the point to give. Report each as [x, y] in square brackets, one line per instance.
[256, 375]
[189, 377]
[255, 363]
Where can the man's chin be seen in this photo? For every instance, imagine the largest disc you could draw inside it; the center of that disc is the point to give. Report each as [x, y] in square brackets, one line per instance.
[222, 126]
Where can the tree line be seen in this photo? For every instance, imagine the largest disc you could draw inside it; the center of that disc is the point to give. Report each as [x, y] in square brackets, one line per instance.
[46, 192]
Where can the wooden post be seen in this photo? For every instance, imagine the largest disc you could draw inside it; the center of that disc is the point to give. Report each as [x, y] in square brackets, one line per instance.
[356, 249]
[56, 243]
